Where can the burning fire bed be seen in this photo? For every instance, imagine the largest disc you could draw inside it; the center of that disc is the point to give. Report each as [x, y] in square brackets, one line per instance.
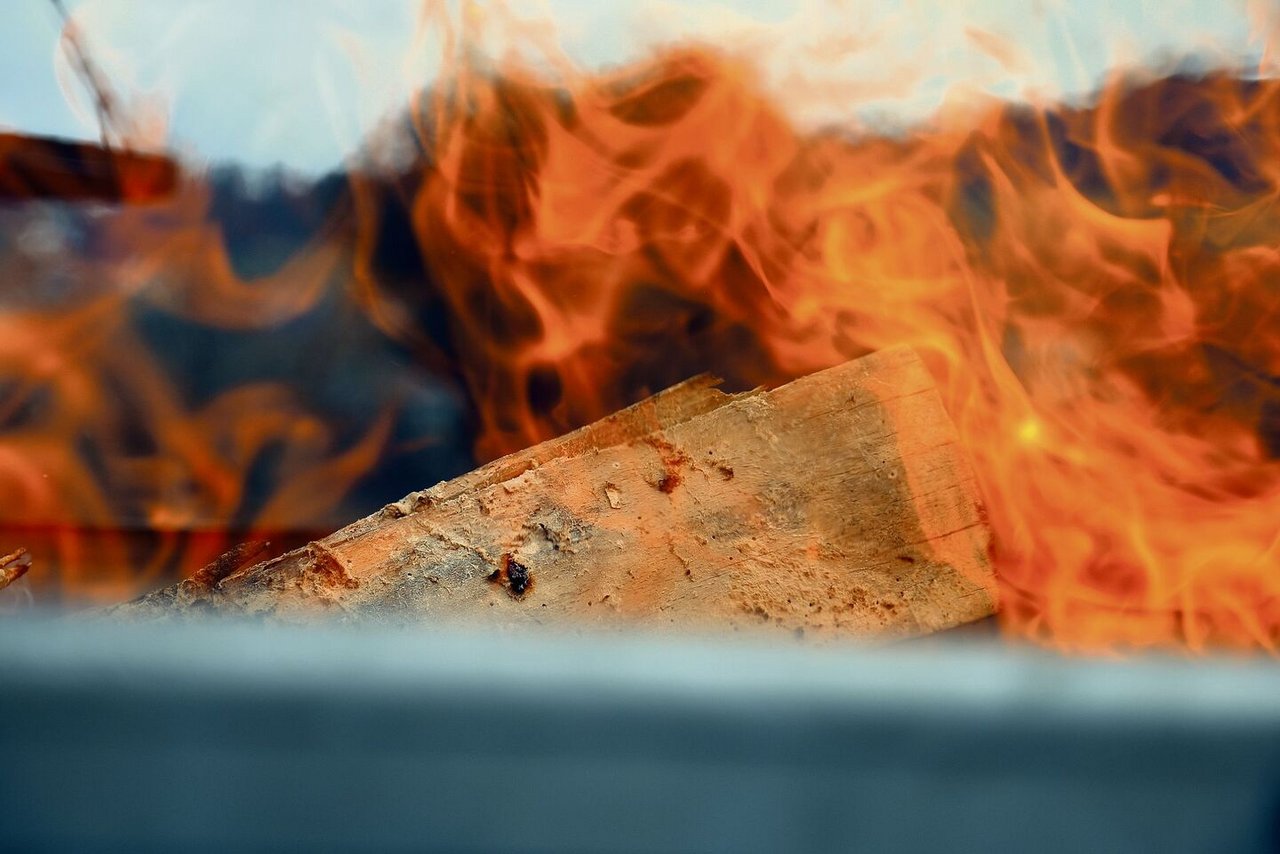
[794, 488]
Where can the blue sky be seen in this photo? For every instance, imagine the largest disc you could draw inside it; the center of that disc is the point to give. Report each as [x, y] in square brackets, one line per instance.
[300, 81]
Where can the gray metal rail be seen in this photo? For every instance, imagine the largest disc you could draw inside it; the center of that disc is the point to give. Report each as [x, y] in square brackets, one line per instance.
[234, 737]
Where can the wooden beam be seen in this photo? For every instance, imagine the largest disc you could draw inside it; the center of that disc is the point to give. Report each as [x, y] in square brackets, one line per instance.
[836, 505]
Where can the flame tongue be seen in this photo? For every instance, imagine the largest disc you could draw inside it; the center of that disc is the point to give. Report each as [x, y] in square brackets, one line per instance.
[1093, 288]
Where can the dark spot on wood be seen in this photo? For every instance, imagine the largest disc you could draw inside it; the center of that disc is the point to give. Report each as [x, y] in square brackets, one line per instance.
[518, 577]
[906, 558]
[669, 481]
[513, 575]
[726, 472]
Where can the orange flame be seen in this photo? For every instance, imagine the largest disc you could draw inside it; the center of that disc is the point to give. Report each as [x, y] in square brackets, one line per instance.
[115, 475]
[1094, 289]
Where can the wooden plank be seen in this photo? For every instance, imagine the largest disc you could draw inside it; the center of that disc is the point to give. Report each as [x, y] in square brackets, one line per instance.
[836, 505]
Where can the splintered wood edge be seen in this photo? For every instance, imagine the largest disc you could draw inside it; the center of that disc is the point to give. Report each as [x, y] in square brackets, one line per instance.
[689, 399]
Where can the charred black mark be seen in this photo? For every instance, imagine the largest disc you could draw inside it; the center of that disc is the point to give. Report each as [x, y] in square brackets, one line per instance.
[513, 575]
[518, 577]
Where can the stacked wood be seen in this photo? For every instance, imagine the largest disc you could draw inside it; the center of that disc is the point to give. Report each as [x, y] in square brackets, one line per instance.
[838, 504]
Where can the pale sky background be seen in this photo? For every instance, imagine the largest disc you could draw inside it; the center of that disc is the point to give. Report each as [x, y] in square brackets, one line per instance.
[300, 82]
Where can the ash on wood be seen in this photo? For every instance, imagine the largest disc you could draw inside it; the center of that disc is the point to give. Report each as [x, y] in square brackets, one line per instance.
[838, 504]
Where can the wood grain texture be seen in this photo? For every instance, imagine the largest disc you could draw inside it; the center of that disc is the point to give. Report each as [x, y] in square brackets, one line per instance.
[836, 505]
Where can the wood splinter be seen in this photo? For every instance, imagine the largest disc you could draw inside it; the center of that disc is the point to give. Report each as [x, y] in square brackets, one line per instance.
[13, 566]
[835, 505]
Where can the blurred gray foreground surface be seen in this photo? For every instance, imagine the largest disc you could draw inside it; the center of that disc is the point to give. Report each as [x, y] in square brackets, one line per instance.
[232, 737]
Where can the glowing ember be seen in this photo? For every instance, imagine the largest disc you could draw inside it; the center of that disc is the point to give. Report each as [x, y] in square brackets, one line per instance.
[1093, 288]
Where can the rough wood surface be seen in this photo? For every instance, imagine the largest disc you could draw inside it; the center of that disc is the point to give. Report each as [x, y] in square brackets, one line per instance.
[838, 504]
[13, 566]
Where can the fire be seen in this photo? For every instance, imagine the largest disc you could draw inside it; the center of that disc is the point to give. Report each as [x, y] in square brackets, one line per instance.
[115, 475]
[1093, 287]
